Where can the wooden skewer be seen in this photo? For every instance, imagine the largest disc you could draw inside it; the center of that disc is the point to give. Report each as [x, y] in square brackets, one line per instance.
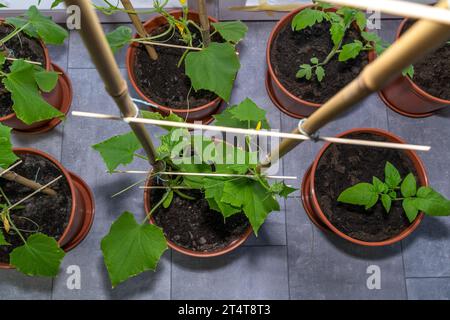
[195, 174]
[139, 27]
[292, 136]
[12, 176]
[400, 8]
[27, 61]
[167, 45]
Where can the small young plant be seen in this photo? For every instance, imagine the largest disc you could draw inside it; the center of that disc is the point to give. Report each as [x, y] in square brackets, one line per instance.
[211, 67]
[341, 21]
[251, 195]
[40, 255]
[413, 199]
[26, 81]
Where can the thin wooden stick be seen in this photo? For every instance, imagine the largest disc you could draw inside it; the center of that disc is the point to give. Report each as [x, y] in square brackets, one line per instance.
[400, 8]
[139, 27]
[34, 193]
[159, 187]
[204, 21]
[167, 45]
[9, 175]
[27, 61]
[292, 136]
[195, 174]
[103, 58]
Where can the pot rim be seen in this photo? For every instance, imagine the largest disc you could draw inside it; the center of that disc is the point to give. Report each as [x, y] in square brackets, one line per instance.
[418, 164]
[413, 84]
[232, 246]
[130, 58]
[66, 175]
[47, 67]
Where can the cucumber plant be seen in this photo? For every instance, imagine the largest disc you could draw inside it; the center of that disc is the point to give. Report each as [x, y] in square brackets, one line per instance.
[26, 81]
[40, 255]
[131, 247]
[413, 199]
[213, 68]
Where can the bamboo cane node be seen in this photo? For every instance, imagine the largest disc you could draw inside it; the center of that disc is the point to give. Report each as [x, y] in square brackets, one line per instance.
[315, 137]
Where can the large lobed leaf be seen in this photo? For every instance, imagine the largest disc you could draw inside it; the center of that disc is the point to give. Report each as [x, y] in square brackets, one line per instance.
[214, 68]
[131, 248]
[119, 37]
[231, 31]
[7, 156]
[245, 115]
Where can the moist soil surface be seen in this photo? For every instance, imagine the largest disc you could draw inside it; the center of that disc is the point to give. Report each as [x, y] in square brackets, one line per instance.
[432, 73]
[290, 49]
[191, 224]
[162, 80]
[20, 46]
[343, 166]
[41, 213]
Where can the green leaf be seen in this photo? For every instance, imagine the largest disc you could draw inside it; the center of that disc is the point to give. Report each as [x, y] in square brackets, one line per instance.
[214, 68]
[282, 189]
[387, 202]
[168, 200]
[7, 156]
[409, 71]
[379, 186]
[119, 37]
[29, 105]
[307, 18]
[3, 241]
[314, 60]
[393, 195]
[157, 116]
[337, 31]
[305, 72]
[361, 20]
[46, 80]
[392, 176]
[39, 256]
[348, 14]
[431, 202]
[370, 36]
[252, 197]
[363, 194]
[2, 59]
[56, 3]
[410, 209]
[130, 248]
[320, 73]
[118, 150]
[231, 31]
[214, 192]
[245, 115]
[39, 26]
[350, 50]
[409, 186]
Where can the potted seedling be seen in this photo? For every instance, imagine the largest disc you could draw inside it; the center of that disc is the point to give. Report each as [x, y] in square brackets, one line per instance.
[205, 203]
[369, 196]
[314, 52]
[38, 226]
[423, 90]
[34, 92]
[194, 69]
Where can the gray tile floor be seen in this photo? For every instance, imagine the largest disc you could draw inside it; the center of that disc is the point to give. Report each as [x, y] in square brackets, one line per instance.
[291, 258]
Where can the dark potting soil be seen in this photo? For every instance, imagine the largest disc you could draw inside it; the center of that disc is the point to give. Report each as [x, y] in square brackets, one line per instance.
[42, 213]
[291, 49]
[343, 166]
[162, 80]
[20, 46]
[191, 224]
[432, 73]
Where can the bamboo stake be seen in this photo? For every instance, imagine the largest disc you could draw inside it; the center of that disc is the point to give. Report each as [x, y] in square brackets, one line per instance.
[400, 8]
[292, 136]
[204, 21]
[422, 38]
[168, 45]
[27, 61]
[14, 177]
[103, 58]
[139, 27]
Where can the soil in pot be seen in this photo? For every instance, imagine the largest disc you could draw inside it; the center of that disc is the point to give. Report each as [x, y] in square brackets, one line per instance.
[20, 46]
[290, 49]
[191, 224]
[432, 73]
[42, 213]
[163, 81]
[343, 166]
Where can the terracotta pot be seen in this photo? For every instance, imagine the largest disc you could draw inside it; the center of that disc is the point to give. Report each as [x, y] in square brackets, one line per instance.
[60, 98]
[202, 113]
[318, 217]
[235, 244]
[83, 206]
[407, 98]
[280, 96]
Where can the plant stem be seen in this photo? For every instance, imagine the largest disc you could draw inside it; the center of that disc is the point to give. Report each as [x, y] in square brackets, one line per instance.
[157, 206]
[183, 195]
[14, 33]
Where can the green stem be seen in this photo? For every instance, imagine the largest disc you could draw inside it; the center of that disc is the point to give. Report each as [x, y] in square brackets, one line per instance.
[16, 229]
[157, 206]
[14, 33]
[183, 195]
[137, 155]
